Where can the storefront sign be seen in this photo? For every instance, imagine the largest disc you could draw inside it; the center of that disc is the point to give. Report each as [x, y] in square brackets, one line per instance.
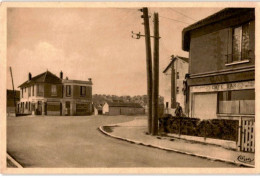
[223, 87]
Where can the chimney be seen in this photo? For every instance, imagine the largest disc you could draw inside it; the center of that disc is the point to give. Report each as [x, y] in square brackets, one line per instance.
[67, 78]
[61, 75]
[29, 76]
[90, 79]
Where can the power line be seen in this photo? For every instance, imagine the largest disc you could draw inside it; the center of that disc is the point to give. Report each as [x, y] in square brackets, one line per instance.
[174, 20]
[183, 14]
[170, 18]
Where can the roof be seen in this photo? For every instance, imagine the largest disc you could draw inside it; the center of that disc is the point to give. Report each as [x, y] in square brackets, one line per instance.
[124, 104]
[46, 77]
[77, 81]
[172, 60]
[219, 16]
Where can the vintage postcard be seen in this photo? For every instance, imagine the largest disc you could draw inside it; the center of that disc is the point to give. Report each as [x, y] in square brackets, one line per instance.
[129, 88]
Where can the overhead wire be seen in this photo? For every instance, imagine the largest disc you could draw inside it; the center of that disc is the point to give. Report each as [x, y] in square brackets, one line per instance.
[183, 14]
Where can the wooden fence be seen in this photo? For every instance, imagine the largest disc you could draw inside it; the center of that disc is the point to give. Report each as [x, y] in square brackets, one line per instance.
[247, 134]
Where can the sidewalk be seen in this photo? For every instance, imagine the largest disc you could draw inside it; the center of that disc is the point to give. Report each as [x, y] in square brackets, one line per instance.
[135, 132]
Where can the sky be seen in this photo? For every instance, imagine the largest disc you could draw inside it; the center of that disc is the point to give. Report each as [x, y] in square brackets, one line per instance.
[93, 43]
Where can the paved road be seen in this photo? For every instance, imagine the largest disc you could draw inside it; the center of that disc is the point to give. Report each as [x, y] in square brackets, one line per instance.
[76, 142]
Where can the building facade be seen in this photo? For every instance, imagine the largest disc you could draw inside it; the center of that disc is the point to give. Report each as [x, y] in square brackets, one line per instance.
[174, 74]
[221, 81]
[122, 108]
[222, 72]
[44, 95]
[12, 98]
[77, 97]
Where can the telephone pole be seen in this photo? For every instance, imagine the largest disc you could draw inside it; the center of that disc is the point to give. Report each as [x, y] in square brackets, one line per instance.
[13, 90]
[155, 96]
[145, 16]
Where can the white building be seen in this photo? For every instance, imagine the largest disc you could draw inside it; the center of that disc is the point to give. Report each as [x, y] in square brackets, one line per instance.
[174, 74]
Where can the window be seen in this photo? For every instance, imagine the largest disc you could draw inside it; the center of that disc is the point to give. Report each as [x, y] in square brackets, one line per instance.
[240, 43]
[29, 91]
[177, 75]
[83, 91]
[33, 90]
[25, 89]
[177, 89]
[40, 90]
[22, 92]
[68, 90]
[53, 90]
[236, 102]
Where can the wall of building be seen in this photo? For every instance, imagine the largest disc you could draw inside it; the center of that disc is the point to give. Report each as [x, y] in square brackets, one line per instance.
[181, 68]
[131, 111]
[47, 91]
[213, 56]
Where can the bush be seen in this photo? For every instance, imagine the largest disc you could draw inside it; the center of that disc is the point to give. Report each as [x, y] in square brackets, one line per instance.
[213, 128]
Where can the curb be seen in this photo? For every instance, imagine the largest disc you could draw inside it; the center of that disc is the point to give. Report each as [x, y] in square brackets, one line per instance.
[14, 161]
[173, 150]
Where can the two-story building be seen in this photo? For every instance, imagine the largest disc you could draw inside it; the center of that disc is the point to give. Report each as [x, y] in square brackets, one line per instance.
[41, 95]
[45, 94]
[174, 74]
[221, 82]
[222, 64]
[77, 97]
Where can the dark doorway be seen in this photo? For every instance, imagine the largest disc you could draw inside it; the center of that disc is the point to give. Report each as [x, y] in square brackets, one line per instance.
[67, 112]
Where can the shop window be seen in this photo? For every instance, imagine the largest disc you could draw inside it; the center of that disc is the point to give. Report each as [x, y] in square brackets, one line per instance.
[236, 102]
[83, 91]
[53, 90]
[68, 90]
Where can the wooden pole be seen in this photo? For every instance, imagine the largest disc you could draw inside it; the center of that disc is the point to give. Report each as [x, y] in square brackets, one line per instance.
[155, 76]
[13, 89]
[148, 66]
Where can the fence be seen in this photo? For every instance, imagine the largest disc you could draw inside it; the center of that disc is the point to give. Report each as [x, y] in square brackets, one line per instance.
[247, 134]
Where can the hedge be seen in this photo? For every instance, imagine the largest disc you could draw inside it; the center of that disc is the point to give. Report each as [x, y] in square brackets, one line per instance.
[212, 128]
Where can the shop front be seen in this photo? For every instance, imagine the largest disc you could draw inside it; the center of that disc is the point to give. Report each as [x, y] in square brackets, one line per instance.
[230, 101]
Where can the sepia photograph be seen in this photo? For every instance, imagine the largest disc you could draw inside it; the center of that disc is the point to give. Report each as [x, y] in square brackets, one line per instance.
[129, 86]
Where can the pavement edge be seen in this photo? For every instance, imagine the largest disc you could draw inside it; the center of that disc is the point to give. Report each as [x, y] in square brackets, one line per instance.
[14, 161]
[173, 150]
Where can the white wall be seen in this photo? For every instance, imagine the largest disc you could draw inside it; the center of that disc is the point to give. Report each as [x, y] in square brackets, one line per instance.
[181, 67]
[105, 108]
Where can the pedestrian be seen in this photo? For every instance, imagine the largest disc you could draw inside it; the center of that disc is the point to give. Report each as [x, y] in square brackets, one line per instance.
[178, 110]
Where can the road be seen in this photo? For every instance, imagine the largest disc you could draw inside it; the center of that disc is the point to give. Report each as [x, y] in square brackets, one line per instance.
[76, 142]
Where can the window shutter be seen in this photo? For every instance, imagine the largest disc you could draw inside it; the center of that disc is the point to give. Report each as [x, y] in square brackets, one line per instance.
[229, 46]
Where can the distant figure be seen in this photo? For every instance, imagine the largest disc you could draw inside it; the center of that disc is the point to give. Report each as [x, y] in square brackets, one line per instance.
[178, 110]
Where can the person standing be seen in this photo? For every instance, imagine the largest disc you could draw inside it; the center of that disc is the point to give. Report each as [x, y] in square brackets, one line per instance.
[178, 111]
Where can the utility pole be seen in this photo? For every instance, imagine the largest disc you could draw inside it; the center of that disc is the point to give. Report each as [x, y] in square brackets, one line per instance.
[155, 95]
[145, 16]
[13, 90]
